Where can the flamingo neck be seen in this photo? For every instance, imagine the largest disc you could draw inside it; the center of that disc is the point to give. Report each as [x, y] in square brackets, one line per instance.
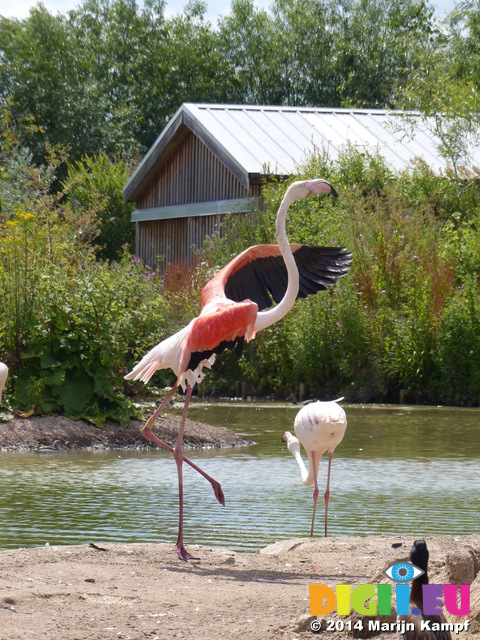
[267, 318]
[307, 476]
[3, 377]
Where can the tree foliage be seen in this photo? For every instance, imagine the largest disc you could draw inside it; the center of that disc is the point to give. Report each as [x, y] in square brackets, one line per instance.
[443, 87]
[95, 184]
[124, 70]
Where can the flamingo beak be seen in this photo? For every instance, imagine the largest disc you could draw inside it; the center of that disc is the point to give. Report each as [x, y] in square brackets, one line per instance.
[320, 186]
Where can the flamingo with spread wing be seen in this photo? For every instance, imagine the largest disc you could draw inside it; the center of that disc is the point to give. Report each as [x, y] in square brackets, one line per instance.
[235, 305]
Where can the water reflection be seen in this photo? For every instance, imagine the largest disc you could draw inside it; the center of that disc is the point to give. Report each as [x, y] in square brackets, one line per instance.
[410, 470]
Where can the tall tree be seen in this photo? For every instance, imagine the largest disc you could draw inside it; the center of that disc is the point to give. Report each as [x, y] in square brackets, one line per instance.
[445, 86]
[111, 39]
[248, 44]
[196, 70]
[376, 48]
[463, 27]
[305, 51]
[41, 85]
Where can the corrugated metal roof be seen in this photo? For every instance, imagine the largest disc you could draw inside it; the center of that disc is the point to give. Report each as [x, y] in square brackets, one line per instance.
[261, 139]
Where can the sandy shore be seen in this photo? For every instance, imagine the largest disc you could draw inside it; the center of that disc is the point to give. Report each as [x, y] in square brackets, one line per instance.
[142, 591]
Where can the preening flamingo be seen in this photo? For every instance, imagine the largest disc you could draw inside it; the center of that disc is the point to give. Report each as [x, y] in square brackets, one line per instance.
[232, 311]
[3, 377]
[319, 427]
[419, 556]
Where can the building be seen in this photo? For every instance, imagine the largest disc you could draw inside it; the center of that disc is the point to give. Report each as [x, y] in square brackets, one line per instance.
[211, 160]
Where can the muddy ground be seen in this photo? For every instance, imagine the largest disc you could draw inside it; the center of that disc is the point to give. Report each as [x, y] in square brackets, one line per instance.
[36, 432]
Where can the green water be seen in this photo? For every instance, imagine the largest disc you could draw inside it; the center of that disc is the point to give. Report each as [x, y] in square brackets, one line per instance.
[398, 470]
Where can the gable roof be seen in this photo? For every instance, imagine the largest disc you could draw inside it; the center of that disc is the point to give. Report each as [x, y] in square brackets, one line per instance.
[256, 140]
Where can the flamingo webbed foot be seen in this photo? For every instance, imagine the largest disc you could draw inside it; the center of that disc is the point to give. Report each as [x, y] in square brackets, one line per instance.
[218, 491]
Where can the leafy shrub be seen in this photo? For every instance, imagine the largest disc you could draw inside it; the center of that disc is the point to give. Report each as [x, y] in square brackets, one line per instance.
[88, 326]
[71, 326]
[458, 354]
[95, 184]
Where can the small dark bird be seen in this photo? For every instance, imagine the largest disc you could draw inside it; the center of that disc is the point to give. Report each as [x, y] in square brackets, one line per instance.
[301, 403]
[419, 557]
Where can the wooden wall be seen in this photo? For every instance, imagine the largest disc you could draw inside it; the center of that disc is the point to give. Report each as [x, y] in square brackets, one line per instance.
[163, 242]
[191, 174]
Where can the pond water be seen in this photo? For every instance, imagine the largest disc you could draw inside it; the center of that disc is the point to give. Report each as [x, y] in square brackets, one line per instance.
[398, 470]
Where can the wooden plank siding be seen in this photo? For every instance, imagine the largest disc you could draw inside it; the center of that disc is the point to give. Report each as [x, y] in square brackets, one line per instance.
[164, 242]
[191, 174]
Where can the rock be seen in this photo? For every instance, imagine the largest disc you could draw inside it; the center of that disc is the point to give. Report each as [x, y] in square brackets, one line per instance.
[460, 565]
[475, 606]
[306, 622]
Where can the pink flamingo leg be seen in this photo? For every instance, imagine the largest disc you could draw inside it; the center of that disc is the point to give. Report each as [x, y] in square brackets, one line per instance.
[315, 491]
[217, 489]
[151, 421]
[147, 433]
[327, 492]
[182, 553]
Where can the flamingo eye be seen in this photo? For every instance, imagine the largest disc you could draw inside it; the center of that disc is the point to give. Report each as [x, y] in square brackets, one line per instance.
[403, 572]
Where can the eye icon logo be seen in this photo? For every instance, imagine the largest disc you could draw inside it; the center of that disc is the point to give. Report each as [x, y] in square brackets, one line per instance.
[403, 572]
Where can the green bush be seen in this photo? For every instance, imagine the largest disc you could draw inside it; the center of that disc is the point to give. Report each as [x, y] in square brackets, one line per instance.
[385, 331]
[88, 327]
[458, 354]
[72, 325]
[95, 184]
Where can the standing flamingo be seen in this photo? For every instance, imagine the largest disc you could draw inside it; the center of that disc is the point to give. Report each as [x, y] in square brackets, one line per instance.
[3, 377]
[320, 427]
[232, 310]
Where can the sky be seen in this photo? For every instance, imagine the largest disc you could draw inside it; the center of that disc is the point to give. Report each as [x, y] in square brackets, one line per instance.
[20, 8]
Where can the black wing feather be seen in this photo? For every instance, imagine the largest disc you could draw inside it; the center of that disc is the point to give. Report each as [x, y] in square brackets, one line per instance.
[197, 356]
[264, 280]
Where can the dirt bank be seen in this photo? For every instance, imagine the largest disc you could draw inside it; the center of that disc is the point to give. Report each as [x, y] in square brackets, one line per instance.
[32, 433]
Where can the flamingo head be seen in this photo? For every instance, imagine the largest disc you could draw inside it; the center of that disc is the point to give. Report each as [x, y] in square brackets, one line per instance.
[293, 444]
[305, 188]
[318, 186]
